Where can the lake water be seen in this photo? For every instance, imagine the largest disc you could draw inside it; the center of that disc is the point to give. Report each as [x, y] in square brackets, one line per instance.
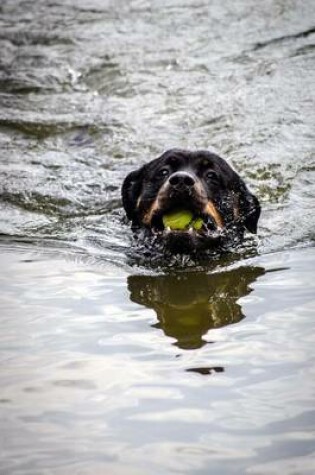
[115, 367]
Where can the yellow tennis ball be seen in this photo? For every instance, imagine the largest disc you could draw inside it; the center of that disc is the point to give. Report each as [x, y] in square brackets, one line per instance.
[178, 219]
[197, 224]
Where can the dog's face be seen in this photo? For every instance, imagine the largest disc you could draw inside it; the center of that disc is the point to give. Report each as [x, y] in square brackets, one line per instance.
[200, 182]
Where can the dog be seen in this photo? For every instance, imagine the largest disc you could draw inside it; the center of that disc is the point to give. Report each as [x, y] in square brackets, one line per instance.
[198, 181]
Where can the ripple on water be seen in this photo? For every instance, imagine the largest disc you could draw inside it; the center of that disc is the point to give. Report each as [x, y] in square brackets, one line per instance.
[108, 368]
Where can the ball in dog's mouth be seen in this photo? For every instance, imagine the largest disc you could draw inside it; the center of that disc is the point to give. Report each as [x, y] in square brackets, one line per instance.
[181, 220]
[184, 222]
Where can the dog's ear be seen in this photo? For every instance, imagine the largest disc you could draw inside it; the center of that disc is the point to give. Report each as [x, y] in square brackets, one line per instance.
[130, 192]
[249, 207]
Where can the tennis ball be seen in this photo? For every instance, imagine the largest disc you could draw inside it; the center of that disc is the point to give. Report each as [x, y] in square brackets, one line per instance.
[197, 224]
[177, 219]
[181, 220]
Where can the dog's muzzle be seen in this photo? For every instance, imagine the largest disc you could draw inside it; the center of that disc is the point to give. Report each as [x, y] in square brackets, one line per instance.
[183, 191]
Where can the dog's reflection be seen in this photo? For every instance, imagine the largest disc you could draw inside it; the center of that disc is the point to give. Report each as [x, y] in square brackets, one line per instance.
[187, 305]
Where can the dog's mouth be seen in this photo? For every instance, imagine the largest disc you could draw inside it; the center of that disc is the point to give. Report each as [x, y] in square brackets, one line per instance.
[183, 221]
[185, 225]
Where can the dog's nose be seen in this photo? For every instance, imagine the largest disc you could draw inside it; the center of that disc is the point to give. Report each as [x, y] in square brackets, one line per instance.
[181, 180]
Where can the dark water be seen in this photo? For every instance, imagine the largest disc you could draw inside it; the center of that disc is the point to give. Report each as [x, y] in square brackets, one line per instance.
[120, 369]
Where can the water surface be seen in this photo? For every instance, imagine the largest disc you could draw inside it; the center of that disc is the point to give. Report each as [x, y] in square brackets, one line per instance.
[108, 366]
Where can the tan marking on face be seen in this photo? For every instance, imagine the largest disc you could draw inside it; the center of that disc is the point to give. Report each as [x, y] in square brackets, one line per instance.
[147, 218]
[213, 212]
[236, 207]
[139, 201]
[201, 193]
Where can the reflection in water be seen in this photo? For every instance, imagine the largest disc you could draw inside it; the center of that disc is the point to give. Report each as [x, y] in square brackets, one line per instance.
[189, 304]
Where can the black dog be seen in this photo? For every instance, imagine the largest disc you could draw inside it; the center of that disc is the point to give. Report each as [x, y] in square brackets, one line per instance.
[200, 182]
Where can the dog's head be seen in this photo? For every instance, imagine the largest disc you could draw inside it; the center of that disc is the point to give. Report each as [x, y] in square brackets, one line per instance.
[200, 182]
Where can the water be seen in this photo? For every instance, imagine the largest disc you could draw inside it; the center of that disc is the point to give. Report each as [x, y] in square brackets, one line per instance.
[109, 367]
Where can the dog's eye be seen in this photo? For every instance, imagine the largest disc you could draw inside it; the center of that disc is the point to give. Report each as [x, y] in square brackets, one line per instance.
[164, 172]
[211, 176]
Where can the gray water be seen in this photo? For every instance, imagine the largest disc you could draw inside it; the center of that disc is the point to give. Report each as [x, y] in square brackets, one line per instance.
[109, 367]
